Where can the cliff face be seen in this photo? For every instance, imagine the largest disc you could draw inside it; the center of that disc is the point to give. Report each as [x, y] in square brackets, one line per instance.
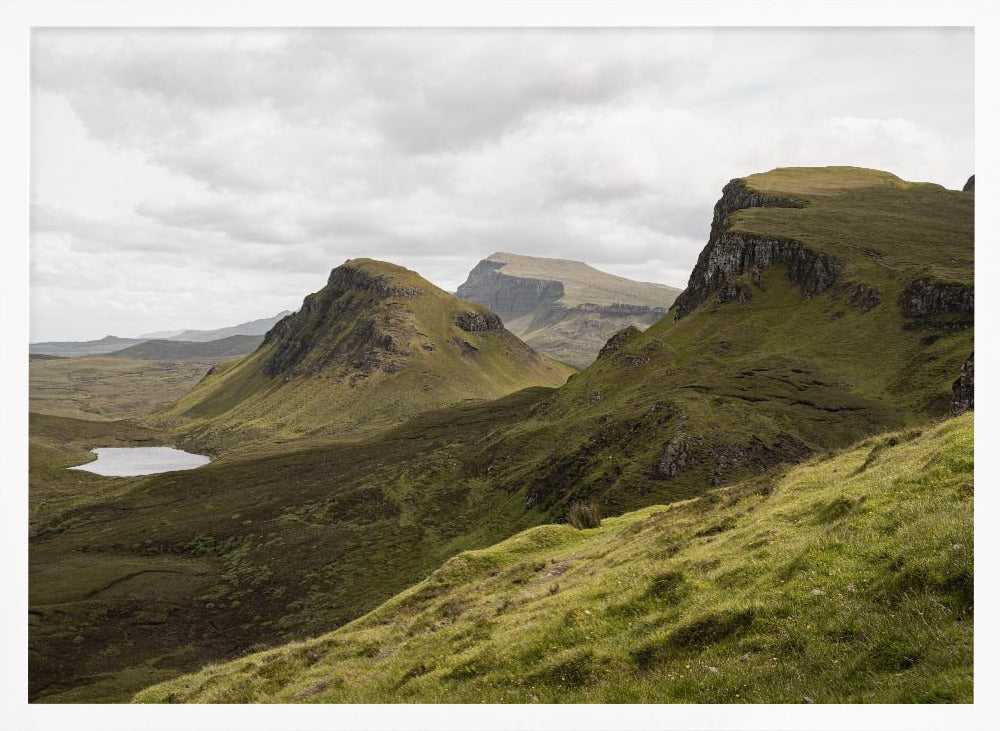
[729, 255]
[563, 308]
[506, 295]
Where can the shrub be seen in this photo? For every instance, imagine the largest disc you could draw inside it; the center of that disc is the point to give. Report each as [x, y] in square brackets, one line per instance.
[584, 515]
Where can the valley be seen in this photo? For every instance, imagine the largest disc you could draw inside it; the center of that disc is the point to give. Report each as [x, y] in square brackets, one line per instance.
[395, 462]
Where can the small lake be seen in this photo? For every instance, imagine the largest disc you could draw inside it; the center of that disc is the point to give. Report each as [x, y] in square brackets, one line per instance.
[132, 461]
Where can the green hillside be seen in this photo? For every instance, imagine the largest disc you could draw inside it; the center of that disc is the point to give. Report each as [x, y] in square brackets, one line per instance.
[228, 347]
[780, 350]
[376, 345]
[849, 579]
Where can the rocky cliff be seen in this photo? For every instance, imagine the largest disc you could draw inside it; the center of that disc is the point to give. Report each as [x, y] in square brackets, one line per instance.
[563, 308]
[729, 255]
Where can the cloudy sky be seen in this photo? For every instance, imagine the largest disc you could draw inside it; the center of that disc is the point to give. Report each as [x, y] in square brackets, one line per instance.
[196, 179]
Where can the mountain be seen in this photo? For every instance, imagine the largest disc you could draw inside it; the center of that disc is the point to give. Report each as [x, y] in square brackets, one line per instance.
[231, 346]
[111, 344]
[159, 335]
[821, 587]
[377, 344]
[72, 349]
[829, 306]
[254, 327]
[566, 309]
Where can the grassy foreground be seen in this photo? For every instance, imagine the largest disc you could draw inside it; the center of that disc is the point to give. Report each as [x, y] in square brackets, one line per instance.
[848, 579]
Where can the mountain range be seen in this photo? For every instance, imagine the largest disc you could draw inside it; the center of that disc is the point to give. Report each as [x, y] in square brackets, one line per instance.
[394, 462]
[112, 344]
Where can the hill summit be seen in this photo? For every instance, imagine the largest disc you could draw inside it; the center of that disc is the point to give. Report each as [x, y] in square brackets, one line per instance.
[377, 344]
[567, 309]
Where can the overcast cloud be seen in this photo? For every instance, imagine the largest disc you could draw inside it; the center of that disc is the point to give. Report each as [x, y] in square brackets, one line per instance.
[189, 178]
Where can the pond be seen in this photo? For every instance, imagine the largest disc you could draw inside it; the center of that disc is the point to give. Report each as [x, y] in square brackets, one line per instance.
[132, 461]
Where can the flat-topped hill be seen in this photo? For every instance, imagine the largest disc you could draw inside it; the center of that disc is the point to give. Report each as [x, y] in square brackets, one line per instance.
[564, 308]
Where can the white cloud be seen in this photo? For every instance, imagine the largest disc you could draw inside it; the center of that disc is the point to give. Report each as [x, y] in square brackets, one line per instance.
[196, 178]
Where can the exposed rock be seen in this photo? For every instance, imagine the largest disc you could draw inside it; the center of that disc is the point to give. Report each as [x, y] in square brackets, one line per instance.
[508, 296]
[472, 321]
[755, 456]
[674, 457]
[863, 297]
[970, 184]
[962, 391]
[617, 340]
[347, 277]
[733, 292]
[926, 296]
[728, 255]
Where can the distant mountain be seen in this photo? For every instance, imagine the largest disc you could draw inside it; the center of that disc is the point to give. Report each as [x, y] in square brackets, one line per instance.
[376, 345]
[71, 349]
[181, 350]
[160, 334]
[566, 309]
[254, 327]
[112, 344]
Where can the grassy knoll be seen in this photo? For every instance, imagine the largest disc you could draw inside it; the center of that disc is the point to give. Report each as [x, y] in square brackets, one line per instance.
[848, 579]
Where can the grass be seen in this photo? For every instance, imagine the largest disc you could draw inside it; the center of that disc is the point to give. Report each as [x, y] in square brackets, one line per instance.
[301, 534]
[108, 388]
[340, 385]
[838, 581]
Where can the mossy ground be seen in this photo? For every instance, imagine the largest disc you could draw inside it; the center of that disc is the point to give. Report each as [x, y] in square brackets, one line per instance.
[849, 579]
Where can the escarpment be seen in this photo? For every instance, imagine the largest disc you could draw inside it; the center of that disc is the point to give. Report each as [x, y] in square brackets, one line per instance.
[566, 309]
[729, 255]
[508, 296]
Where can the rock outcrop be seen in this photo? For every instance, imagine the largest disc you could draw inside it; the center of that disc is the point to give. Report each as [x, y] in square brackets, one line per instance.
[616, 341]
[478, 322]
[925, 296]
[729, 255]
[963, 390]
[970, 184]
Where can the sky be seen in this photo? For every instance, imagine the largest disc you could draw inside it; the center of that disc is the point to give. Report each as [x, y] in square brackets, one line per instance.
[201, 178]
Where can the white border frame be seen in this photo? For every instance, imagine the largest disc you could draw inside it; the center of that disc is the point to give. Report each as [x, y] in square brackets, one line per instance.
[16, 19]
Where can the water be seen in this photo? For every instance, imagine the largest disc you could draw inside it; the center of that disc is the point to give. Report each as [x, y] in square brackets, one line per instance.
[131, 461]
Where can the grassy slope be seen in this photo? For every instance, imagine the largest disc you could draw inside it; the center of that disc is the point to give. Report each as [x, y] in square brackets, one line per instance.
[326, 395]
[849, 579]
[106, 388]
[817, 369]
[168, 572]
[304, 541]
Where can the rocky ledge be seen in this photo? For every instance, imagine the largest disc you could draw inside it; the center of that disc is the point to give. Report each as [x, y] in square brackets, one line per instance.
[923, 297]
[347, 277]
[475, 322]
[729, 255]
